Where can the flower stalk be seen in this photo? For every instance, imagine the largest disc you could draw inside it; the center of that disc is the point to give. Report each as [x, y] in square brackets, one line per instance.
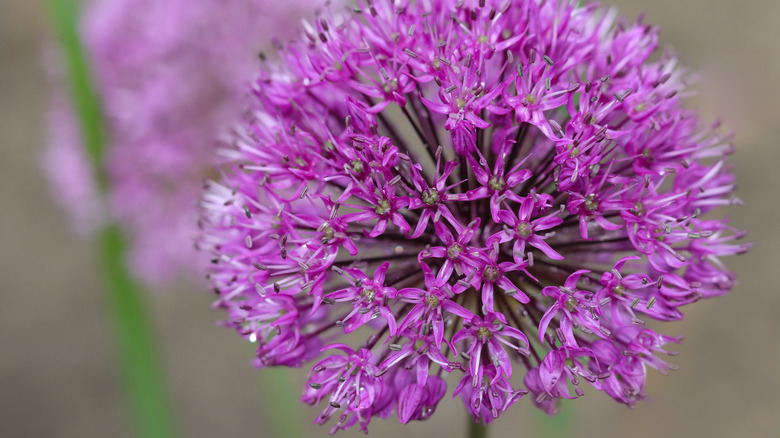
[140, 364]
[477, 430]
[143, 381]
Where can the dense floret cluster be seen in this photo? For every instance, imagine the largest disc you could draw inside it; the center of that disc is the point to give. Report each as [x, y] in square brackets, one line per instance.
[485, 188]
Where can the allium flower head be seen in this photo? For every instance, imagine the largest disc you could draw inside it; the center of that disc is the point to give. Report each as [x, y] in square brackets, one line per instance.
[504, 191]
[170, 75]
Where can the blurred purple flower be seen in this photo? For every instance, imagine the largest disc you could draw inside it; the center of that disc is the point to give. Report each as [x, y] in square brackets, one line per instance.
[477, 187]
[171, 75]
[67, 166]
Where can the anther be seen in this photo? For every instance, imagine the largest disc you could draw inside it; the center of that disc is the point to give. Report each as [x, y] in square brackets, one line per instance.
[662, 80]
[588, 119]
[560, 336]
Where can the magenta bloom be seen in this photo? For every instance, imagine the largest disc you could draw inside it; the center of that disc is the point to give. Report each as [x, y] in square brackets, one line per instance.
[482, 188]
[171, 75]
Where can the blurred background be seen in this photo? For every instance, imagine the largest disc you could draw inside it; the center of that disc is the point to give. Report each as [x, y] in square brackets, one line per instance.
[58, 370]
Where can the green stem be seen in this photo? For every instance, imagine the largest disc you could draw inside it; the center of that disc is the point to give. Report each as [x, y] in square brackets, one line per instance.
[137, 351]
[281, 403]
[558, 426]
[140, 364]
[476, 430]
[65, 18]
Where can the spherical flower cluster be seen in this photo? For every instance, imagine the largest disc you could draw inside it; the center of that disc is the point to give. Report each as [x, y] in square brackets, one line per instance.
[499, 190]
[170, 74]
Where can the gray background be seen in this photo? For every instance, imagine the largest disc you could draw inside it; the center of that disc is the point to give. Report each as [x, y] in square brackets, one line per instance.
[57, 365]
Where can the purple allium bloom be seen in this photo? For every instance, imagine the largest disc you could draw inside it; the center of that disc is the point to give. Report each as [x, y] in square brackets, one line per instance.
[499, 190]
[170, 75]
[68, 169]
